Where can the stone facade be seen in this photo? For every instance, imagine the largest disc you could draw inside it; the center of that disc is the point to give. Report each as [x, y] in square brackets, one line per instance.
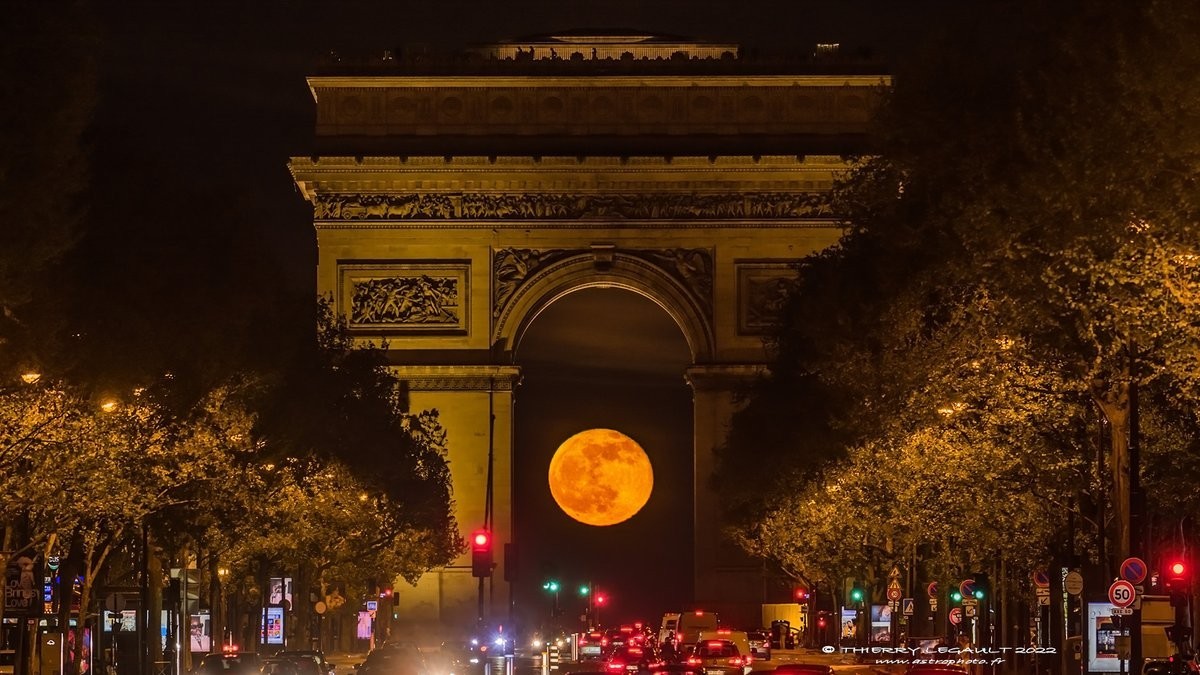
[454, 254]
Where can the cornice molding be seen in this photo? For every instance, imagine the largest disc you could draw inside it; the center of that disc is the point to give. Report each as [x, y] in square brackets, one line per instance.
[458, 378]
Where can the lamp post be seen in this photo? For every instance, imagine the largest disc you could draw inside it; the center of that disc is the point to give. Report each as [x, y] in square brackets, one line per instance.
[223, 576]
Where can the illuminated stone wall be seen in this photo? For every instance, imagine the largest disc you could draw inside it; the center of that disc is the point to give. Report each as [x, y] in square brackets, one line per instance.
[449, 256]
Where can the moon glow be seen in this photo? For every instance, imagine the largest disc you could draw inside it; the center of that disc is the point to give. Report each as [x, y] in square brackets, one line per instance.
[600, 477]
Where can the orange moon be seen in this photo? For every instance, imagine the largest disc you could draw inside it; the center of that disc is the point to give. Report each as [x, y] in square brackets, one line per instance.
[601, 477]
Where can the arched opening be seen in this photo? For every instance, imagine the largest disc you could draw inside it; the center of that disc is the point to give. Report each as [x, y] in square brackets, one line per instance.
[603, 357]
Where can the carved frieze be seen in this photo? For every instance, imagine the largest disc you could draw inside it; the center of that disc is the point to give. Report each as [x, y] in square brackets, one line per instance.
[691, 267]
[561, 206]
[405, 297]
[763, 288]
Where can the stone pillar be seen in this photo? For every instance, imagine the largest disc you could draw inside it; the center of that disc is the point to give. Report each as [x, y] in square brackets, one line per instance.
[463, 396]
[725, 579]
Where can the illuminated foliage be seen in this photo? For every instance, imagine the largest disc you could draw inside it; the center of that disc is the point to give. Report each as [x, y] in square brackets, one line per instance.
[1029, 223]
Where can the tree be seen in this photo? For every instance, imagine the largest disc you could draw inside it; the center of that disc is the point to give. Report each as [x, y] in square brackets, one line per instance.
[1036, 188]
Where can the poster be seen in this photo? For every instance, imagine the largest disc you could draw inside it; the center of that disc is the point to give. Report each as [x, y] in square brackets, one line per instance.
[279, 592]
[1102, 638]
[365, 626]
[126, 621]
[22, 596]
[200, 633]
[881, 623]
[849, 629]
[272, 625]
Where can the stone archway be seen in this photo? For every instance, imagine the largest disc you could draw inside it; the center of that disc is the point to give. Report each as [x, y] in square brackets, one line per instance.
[698, 184]
[632, 271]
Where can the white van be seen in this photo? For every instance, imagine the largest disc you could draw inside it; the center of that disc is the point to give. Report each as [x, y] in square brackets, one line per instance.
[691, 624]
[670, 623]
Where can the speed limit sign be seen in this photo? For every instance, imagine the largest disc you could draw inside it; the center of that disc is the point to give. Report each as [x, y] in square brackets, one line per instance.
[1121, 593]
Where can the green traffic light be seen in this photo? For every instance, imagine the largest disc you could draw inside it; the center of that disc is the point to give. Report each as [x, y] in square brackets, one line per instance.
[856, 595]
[956, 596]
[978, 594]
[584, 590]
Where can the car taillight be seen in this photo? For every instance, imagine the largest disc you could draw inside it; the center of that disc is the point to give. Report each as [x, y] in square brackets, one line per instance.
[735, 661]
[693, 661]
[747, 659]
[616, 665]
[604, 642]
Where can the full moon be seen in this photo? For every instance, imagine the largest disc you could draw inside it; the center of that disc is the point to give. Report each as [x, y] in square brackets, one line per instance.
[600, 477]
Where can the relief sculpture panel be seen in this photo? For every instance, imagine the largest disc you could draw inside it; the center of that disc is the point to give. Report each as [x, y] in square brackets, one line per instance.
[691, 267]
[405, 297]
[493, 206]
[762, 291]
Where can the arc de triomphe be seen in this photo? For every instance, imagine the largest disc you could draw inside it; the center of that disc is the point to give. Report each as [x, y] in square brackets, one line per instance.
[451, 207]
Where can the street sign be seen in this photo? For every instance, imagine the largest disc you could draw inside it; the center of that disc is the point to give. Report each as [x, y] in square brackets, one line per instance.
[1041, 579]
[970, 602]
[1043, 596]
[931, 589]
[1122, 611]
[319, 607]
[1073, 582]
[956, 616]
[907, 605]
[933, 604]
[967, 588]
[893, 606]
[372, 605]
[895, 573]
[970, 610]
[1133, 570]
[1121, 593]
[895, 593]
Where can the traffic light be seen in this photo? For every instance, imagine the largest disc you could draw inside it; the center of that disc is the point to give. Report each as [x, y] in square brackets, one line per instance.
[584, 589]
[1179, 582]
[857, 594]
[481, 554]
[601, 599]
[955, 596]
[551, 586]
[801, 594]
[983, 586]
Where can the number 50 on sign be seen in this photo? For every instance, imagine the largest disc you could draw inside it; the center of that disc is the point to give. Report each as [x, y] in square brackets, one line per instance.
[1121, 593]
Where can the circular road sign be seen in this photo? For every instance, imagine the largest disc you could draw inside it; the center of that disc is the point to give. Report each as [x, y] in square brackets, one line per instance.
[1133, 570]
[319, 607]
[931, 589]
[967, 588]
[1041, 579]
[956, 616]
[894, 594]
[1073, 582]
[1121, 593]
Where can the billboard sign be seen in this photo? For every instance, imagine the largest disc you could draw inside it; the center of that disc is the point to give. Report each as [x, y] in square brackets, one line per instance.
[22, 592]
[272, 626]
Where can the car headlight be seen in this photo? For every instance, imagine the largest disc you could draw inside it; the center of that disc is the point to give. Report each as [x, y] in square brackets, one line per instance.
[474, 660]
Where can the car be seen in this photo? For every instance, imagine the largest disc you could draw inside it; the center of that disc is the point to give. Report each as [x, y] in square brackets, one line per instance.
[737, 637]
[760, 644]
[229, 663]
[396, 659]
[718, 657]
[592, 646]
[290, 665]
[630, 659]
[317, 656]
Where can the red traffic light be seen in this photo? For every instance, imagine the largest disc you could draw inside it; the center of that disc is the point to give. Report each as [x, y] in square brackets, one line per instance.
[821, 622]
[481, 554]
[1177, 569]
[482, 539]
[801, 594]
[601, 599]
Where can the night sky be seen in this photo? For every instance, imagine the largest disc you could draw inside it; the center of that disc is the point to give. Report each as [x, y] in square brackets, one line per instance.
[199, 246]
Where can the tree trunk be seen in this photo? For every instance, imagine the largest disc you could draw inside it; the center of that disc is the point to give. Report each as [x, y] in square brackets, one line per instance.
[1114, 404]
